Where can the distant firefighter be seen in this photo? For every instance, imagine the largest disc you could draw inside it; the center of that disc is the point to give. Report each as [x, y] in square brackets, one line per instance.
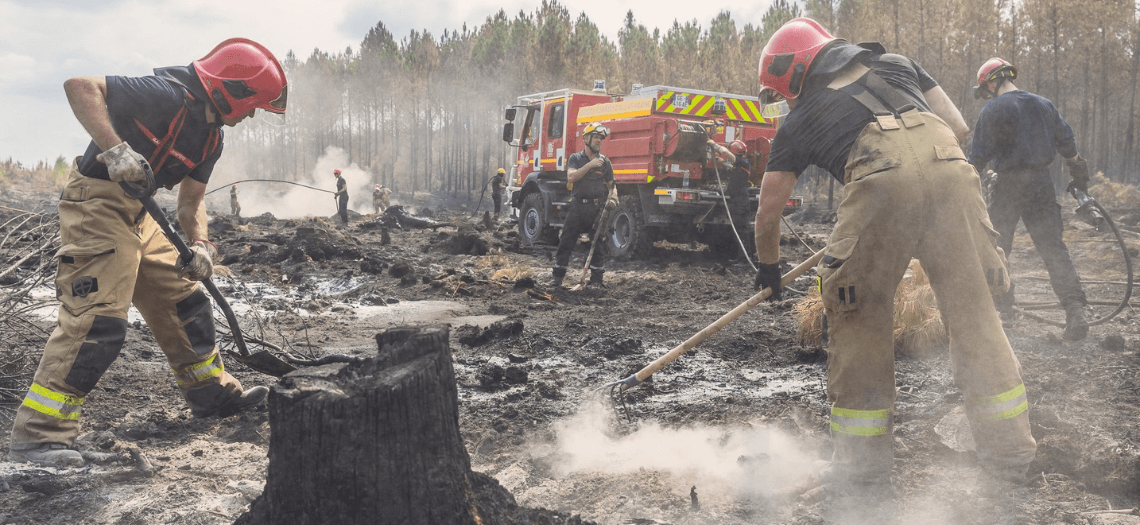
[497, 186]
[235, 207]
[341, 197]
[380, 198]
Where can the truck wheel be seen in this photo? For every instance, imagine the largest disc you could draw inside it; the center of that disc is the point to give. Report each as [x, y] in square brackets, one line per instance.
[533, 226]
[627, 237]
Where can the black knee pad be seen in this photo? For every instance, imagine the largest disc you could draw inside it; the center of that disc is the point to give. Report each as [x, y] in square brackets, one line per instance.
[194, 312]
[100, 348]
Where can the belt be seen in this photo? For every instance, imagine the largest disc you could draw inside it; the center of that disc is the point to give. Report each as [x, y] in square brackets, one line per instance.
[590, 201]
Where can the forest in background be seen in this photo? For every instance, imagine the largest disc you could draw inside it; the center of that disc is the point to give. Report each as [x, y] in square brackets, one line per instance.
[424, 113]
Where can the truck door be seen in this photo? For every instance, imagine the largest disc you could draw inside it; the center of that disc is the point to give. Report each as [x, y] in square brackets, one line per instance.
[536, 128]
[554, 154]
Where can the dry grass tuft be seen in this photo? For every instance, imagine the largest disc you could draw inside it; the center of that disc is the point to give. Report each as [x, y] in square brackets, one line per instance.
[918, 323]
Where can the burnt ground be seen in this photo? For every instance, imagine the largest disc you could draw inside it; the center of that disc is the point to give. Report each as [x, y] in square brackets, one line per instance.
[740, 421]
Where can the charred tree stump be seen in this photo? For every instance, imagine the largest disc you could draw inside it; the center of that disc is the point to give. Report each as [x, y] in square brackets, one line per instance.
[376, 443]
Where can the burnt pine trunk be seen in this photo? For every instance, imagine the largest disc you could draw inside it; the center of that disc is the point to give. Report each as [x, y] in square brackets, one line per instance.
[376, 443]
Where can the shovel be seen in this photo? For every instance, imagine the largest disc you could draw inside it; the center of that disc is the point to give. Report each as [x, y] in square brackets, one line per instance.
[589, 256]
[617, 387]
[262, 361]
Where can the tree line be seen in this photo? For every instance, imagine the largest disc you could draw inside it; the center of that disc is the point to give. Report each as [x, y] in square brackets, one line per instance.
[424, 113]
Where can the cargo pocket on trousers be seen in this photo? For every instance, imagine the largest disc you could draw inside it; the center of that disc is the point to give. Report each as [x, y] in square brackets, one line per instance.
[77, 279]
[949, 153]
[863, 166]
[838, 291]
[993, 260]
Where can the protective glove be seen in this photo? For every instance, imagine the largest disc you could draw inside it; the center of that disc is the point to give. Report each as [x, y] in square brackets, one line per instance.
[768, 276]
[124, 163]
[611, 203]
[1079, 171]
[201, 267]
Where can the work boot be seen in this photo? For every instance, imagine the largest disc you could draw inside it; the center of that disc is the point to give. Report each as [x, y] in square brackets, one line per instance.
[1076, 325]
[558, 274]
[596, 278]
[248, 399]
[47, 454]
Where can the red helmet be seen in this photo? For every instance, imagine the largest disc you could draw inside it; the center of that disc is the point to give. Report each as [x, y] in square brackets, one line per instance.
[336, 172]
[240, 75]
[738, 148]
[787, 56]
[994, 69]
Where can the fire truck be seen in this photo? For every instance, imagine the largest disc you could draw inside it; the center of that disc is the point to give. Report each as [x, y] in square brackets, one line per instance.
[667, 181]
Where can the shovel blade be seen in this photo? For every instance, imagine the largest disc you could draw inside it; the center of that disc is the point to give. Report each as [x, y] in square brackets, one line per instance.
[266, 363]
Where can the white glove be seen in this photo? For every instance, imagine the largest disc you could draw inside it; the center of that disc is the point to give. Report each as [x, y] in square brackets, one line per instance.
[201, 267]
[123, 163]
[611, 203]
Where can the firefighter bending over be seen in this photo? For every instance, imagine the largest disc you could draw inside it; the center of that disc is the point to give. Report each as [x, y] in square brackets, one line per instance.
[380, 198]
[1021, 133]
[881, 125]
[592, 176]
[114, 255]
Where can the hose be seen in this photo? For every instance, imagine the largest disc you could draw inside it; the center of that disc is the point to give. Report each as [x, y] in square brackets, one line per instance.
[271, 180]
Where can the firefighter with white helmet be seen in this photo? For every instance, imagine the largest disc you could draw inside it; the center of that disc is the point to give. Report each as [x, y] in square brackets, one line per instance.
[380, 198]
[880, 124]
[114, 255]
[1020, 133]
[592, 177]
[497, 186]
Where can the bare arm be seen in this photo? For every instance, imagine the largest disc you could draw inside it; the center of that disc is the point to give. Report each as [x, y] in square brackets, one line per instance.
[192, 210]
[775, 189]
[948, 112]
[88, 99]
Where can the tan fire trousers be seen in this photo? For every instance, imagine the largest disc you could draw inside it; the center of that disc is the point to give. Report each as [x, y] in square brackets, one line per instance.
[911, 194]
[113, 255]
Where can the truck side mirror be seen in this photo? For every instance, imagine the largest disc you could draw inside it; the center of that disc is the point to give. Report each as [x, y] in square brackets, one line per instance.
[509, 114]
[508, 132]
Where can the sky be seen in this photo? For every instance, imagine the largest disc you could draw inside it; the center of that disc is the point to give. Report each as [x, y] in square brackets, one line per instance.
[45, 42]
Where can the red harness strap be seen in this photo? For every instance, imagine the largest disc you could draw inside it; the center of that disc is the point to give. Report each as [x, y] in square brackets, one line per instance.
[164, 147]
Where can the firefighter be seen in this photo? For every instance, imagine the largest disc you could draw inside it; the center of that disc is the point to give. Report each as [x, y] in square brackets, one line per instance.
[114, 255]
[881, 125]
[497, 189]
[341, 196]
[592, 177]
[1021, 133]
[235, 206]
[380, 198]
[737, 186]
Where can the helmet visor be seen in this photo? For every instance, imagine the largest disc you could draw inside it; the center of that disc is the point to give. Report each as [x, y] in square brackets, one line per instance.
[277, 105]
[770, 96]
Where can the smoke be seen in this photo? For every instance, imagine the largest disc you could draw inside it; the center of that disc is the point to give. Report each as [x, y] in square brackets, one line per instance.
[288, 201]
[750, 461]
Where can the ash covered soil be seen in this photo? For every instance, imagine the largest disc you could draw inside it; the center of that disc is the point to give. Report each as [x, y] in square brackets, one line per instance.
[727, 434]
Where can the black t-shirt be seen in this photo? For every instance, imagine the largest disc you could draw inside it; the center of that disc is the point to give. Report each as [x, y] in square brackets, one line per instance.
[592, 185]
[738, 179]
[146, 111]
[825, 124]
[340, 185]
[497, 183]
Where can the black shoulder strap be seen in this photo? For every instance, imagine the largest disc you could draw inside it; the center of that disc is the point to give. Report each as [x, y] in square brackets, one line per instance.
[875, 94]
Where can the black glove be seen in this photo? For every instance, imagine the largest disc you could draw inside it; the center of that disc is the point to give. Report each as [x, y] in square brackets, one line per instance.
[768, 276]
[1079, 171]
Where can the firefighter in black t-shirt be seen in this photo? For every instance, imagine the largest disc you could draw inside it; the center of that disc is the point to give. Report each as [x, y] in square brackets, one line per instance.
[497, 190]
[592, 176]
[883, 126]
[341, 197]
